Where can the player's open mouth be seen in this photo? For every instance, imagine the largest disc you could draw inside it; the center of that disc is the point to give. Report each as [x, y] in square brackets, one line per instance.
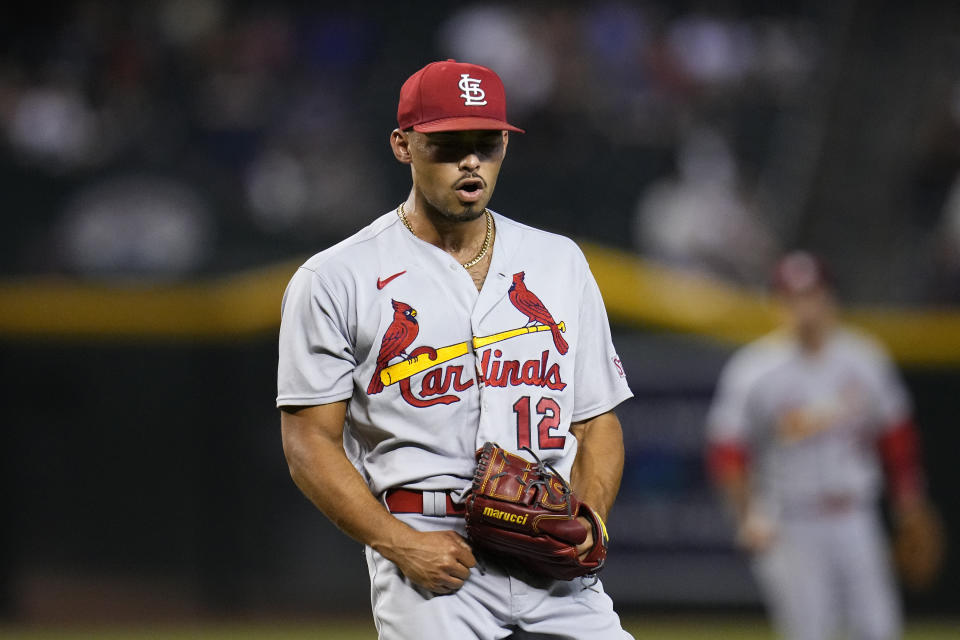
[470, 190]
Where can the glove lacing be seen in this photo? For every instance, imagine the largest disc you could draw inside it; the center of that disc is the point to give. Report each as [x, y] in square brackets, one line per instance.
[542, 471]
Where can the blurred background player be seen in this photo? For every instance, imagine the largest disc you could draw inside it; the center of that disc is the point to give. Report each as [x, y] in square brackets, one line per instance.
[797, 431]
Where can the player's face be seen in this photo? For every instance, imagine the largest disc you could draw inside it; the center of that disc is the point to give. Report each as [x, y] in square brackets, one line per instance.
[810, 312]
[455, 172]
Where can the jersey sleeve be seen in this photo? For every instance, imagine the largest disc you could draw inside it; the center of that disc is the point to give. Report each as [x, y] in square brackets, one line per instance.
[316, 358]
[599, 380]
[728, 419]
[890, 398]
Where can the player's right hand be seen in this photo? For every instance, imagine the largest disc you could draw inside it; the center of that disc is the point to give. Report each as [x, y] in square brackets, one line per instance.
[439, 561]
[756, 533]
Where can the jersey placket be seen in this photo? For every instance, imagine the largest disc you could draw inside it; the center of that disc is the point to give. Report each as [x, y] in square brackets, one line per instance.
[494, 291]
[458, 293]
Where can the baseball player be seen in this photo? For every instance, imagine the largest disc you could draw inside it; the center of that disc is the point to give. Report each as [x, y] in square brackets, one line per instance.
[439, 328]
[802, 424]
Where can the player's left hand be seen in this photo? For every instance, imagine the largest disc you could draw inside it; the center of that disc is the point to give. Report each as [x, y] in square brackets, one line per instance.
[918, 543]
[584, 548]
[526, 511]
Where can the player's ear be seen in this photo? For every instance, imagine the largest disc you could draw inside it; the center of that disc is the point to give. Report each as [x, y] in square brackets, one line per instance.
[506, 139]
[400, 143]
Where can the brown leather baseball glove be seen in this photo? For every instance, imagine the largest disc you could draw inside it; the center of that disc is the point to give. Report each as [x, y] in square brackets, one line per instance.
[918, 545]
[526, 511]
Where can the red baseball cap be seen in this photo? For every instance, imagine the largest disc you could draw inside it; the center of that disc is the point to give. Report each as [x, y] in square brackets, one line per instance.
[453, 96]
[800, 271]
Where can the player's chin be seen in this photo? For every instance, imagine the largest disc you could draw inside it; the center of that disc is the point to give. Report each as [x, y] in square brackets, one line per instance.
[466, 211]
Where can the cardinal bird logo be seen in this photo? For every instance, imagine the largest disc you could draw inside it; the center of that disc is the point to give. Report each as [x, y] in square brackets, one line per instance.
[529, 305]
[401, 332]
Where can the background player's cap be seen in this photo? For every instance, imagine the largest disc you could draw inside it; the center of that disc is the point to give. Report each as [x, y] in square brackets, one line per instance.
[453, 96]
[800, 271]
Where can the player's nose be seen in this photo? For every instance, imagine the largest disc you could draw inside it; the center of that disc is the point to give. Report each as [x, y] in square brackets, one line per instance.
[469, 162]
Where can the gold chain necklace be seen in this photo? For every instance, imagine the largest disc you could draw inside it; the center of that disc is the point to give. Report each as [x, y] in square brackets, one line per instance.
[486, 239]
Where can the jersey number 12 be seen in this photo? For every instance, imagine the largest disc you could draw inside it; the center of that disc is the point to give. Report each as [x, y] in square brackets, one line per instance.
[550, 410]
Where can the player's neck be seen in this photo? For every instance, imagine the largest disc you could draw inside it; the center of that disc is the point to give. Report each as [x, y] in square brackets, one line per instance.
[462, 239]
[813, 339]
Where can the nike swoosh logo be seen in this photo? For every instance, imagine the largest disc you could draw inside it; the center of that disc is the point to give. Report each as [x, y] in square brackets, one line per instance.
[382, 283]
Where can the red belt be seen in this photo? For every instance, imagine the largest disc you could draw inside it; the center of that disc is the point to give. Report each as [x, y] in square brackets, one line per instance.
[827, 505]
[836, 504]
[411, 501]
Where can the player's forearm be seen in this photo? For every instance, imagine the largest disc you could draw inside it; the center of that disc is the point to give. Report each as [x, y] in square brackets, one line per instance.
[899, 448]
[727, 467]
[736, 495]
[598, 467]
[320, 468]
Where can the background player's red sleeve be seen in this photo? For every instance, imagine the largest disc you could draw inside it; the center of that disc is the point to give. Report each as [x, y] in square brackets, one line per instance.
[900, 449]
[726, 459]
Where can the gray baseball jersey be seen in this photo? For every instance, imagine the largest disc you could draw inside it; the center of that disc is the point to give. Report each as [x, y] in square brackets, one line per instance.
[810, 422]
[434, 368]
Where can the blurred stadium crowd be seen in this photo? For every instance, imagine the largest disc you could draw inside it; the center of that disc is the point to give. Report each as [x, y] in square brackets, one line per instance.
[177, 137]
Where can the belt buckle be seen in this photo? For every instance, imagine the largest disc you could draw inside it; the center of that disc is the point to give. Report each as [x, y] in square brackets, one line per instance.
[434, 504]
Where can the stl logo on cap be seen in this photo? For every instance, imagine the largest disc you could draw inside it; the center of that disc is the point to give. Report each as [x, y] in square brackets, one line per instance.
[430, 100]
[473, 95]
